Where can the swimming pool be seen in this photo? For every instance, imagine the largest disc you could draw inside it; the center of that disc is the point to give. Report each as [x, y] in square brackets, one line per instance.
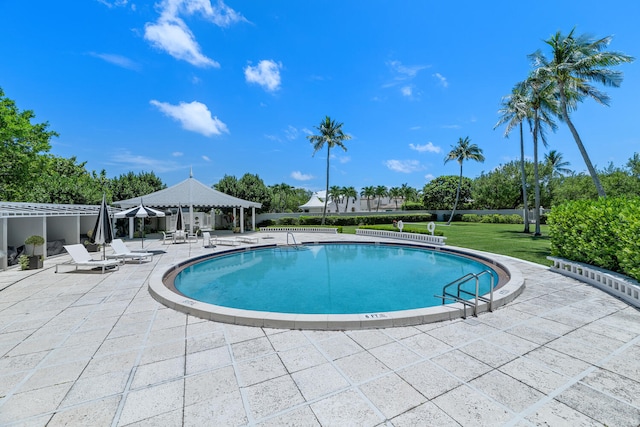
[329, 278]
[162, 286]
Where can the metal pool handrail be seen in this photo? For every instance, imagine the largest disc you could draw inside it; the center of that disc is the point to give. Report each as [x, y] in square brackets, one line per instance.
[461, 281]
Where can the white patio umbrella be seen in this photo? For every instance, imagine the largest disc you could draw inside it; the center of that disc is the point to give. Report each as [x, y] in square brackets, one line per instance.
[140, 211]
[103, 230]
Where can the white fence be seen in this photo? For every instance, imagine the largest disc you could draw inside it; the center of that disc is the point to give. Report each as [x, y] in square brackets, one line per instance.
[426, 238]
[301, 229]
[618, 285]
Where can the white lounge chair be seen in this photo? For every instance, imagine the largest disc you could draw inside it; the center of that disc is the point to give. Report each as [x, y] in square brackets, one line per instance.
[248, 239]
[208, 239]
[121, 251]
[228, 242]
[81, 257]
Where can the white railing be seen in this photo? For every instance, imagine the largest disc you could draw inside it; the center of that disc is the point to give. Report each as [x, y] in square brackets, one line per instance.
[426, 238]
[301, 229]
[616, 284]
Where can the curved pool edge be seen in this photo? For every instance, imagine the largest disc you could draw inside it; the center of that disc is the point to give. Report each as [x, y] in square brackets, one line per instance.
[502, 295]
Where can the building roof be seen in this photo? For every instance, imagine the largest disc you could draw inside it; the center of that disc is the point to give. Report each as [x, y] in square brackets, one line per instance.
[315, 202]
[21, 209]
[189, 192]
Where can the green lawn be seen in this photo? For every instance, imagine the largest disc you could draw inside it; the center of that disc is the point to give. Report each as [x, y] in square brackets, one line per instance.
[505, 239]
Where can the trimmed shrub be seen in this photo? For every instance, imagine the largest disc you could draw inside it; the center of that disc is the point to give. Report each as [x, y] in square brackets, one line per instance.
[412, 206]
[471, 218]
[601, 232]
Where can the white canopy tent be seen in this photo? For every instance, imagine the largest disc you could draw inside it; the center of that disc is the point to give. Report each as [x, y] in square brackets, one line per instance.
[193, 193]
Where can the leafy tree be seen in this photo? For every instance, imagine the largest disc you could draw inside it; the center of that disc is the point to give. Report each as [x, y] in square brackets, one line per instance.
[440, 193]
[515, 109]
[331, 134]
[130, 185]
[634, 165]
[228, 185]
[460, 152]
[349, 193]
[63, 180]
[22, 148]
[335, 194]
[281, 194]
[252, 188]
[368, 193]
[380, 191]
[500, 188]
[577, 60]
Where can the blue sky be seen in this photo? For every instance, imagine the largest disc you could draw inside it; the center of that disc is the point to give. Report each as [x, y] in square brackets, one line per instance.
[235, 87]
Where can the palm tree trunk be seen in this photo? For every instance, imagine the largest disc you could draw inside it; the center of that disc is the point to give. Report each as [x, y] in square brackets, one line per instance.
[455, 204]
[524, 183]
[536, 177]
[583, 151]
[326, 192]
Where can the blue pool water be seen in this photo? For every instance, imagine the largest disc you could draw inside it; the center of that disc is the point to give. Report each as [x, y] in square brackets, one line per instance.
[328, 278]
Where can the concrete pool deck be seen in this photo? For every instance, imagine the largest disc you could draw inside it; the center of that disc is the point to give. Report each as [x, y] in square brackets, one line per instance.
[83, 348]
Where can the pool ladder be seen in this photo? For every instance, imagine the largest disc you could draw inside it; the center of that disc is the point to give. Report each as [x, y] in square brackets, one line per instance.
[458, 298]
[293, 238]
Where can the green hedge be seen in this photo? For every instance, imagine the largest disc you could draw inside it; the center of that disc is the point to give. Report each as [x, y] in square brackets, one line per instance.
[601, 232]
[493, 218]
[338, 220]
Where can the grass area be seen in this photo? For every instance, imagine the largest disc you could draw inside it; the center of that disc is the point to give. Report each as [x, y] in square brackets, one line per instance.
[505, 239]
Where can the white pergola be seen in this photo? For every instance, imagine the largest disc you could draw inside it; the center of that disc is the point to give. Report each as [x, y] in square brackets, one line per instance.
[193, 193]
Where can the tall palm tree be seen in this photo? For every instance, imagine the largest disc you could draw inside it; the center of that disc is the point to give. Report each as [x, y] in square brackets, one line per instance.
[460, 152]
[381, 191]
[331, 134]
[541, 99]
[515, 109]
[349, 192]
[395, 193]
[576, 61]
[368, 193]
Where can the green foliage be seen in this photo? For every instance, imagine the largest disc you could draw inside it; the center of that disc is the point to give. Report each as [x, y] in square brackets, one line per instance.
[249, 187]
[130, 185]
[342, 220]
[412, 206]
[34, 241]
[600, 232]
[22, 148]
[440, 193]
[24, 262]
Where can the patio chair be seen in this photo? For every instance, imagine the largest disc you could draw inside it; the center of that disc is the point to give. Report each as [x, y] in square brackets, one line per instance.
[121, 251]
[207, 240]
[167, 235]
[81, 257]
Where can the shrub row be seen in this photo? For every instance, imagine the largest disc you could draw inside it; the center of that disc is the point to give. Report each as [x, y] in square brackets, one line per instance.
[601, 232]
[348, 220]
[493, 218]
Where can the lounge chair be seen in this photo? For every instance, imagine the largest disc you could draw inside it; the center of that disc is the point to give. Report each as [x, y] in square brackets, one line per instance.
[167, 236]
[121, 251]
[208, 239]
[229, 242]
[248, 239]
[81, 257]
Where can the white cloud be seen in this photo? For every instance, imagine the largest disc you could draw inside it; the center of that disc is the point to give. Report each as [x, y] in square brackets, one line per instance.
[266, 74]
[405, 71]
[193, 116]
[177, 154]
[443, 80]
[428, 147]
[137, 162]
[206, 158]
[177, 40]
[272, 137]
[451, 126]
[170, 33]
[429, 177]
[404, 166]
[119, 60]
[344, 159]
[291, 133]
[415, 128]
[299, 176]
[406, 91]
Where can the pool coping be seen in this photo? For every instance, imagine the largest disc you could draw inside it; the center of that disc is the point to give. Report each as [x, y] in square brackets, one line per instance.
[166, 296]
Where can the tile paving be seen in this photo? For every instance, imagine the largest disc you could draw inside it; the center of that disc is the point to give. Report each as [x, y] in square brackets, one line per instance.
[79, 348]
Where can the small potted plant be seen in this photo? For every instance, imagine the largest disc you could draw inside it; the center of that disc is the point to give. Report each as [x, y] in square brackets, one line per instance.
[35, 261]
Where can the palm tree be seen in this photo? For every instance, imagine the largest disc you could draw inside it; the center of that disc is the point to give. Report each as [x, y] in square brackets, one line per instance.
[368, 193]
[462, 151]
[380, 191]
[331, 134]
[577, 61]
[395, 193]
[515, 109]
[540, 95]
[349, 192]
[555, 162]
[335, 193]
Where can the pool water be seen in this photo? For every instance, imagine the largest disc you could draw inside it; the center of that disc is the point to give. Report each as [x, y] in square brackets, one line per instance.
[328, 278]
